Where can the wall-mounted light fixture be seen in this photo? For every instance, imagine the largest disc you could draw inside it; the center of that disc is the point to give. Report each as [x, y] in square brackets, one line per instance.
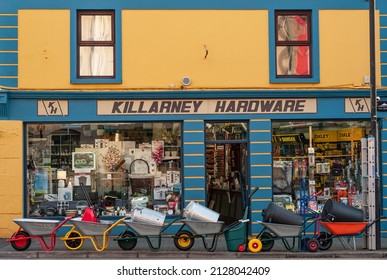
[186, 81]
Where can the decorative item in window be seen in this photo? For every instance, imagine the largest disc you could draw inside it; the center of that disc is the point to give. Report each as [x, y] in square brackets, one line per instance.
[158, 151]
[112, 158]
[84, 161]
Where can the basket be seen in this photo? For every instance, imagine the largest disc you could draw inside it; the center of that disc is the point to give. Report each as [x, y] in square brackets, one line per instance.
[143, 181]
[70, 213]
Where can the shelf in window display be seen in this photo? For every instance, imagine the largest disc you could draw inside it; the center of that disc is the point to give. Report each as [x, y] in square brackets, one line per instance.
[171, 158]
[302, 157]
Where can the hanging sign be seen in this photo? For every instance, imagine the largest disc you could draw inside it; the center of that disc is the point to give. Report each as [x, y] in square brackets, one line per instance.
[325, 136]
[350, 134]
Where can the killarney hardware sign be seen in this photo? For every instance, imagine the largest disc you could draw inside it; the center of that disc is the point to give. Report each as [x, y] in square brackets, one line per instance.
[206, 106]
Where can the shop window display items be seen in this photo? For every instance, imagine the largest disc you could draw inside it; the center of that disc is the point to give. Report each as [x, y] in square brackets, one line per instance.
[317, 161]
[120, 165]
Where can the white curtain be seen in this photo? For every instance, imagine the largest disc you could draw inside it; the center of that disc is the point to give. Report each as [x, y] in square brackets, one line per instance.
[96, 60]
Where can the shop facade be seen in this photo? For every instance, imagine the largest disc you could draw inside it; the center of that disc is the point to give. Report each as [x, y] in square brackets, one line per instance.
[164, 153]
[197, 118]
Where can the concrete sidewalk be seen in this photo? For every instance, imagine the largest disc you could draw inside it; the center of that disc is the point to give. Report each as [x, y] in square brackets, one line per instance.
[167, 250]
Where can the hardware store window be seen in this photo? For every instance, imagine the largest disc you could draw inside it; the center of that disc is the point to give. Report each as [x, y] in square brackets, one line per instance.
[119, 165]
[319, 160]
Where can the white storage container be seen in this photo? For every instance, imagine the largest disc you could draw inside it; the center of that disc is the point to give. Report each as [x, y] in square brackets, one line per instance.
[196, 211]
[148, 216]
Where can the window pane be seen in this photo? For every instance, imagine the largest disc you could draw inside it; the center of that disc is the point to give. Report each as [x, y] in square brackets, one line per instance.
[120, 165]
[96, 61]
[293, 60]
[226, 131]
[292, 28]
[96, 28]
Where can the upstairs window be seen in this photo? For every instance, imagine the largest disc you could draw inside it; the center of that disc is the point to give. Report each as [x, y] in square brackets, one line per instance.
[293, 44]
[96, 44]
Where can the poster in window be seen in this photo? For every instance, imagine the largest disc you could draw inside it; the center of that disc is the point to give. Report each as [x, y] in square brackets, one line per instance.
[282, 177]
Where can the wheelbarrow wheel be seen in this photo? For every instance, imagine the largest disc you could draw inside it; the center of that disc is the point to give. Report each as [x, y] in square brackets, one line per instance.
[73, 240]
[183, 240]
[312, 245]
[127, 240]
[255, 245]
[267, 241]
[325, 241]
[23, 241]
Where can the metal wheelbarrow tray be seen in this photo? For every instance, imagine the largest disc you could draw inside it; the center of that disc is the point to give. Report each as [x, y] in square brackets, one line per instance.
[91, 228]
[208, 232]
[283, 230]
[290, 235]
[127, 240]
[142, 228]
[203, 227]
[37, 226]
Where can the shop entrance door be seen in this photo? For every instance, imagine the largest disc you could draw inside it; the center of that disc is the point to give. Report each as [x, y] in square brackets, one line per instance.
[226, 155]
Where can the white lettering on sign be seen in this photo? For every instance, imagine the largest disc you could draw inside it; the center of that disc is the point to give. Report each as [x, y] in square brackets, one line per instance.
[133, 107]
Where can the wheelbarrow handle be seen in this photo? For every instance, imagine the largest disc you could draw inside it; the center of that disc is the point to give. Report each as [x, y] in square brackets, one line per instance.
[244, 221]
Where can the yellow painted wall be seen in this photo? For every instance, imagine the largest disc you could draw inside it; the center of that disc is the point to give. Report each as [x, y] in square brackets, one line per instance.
[344, 48]
[44, 49]
[160, 47]
[11, 175]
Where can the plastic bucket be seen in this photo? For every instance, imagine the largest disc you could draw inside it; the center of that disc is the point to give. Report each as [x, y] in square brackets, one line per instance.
[196, 211]
[276, 214]
[148, 216]
[338, 212]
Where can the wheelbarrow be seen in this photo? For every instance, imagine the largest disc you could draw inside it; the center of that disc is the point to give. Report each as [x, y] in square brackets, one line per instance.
[127, 240]
[343, 231]
[36, 228]
[98, 232]
[236, 234]
[89, 226]
[288, 234]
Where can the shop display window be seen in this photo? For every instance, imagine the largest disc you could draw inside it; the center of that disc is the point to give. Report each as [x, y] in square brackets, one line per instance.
[314, 161]
[118, 166]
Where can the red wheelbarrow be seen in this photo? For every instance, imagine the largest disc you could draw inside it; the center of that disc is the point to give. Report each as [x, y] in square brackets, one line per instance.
[35, 228]
[344, 231]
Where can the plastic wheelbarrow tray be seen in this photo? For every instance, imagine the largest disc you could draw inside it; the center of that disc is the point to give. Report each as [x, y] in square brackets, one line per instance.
[203, 227]
[345, 228]
[91, 228]
[142, 228]
[37, 226]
